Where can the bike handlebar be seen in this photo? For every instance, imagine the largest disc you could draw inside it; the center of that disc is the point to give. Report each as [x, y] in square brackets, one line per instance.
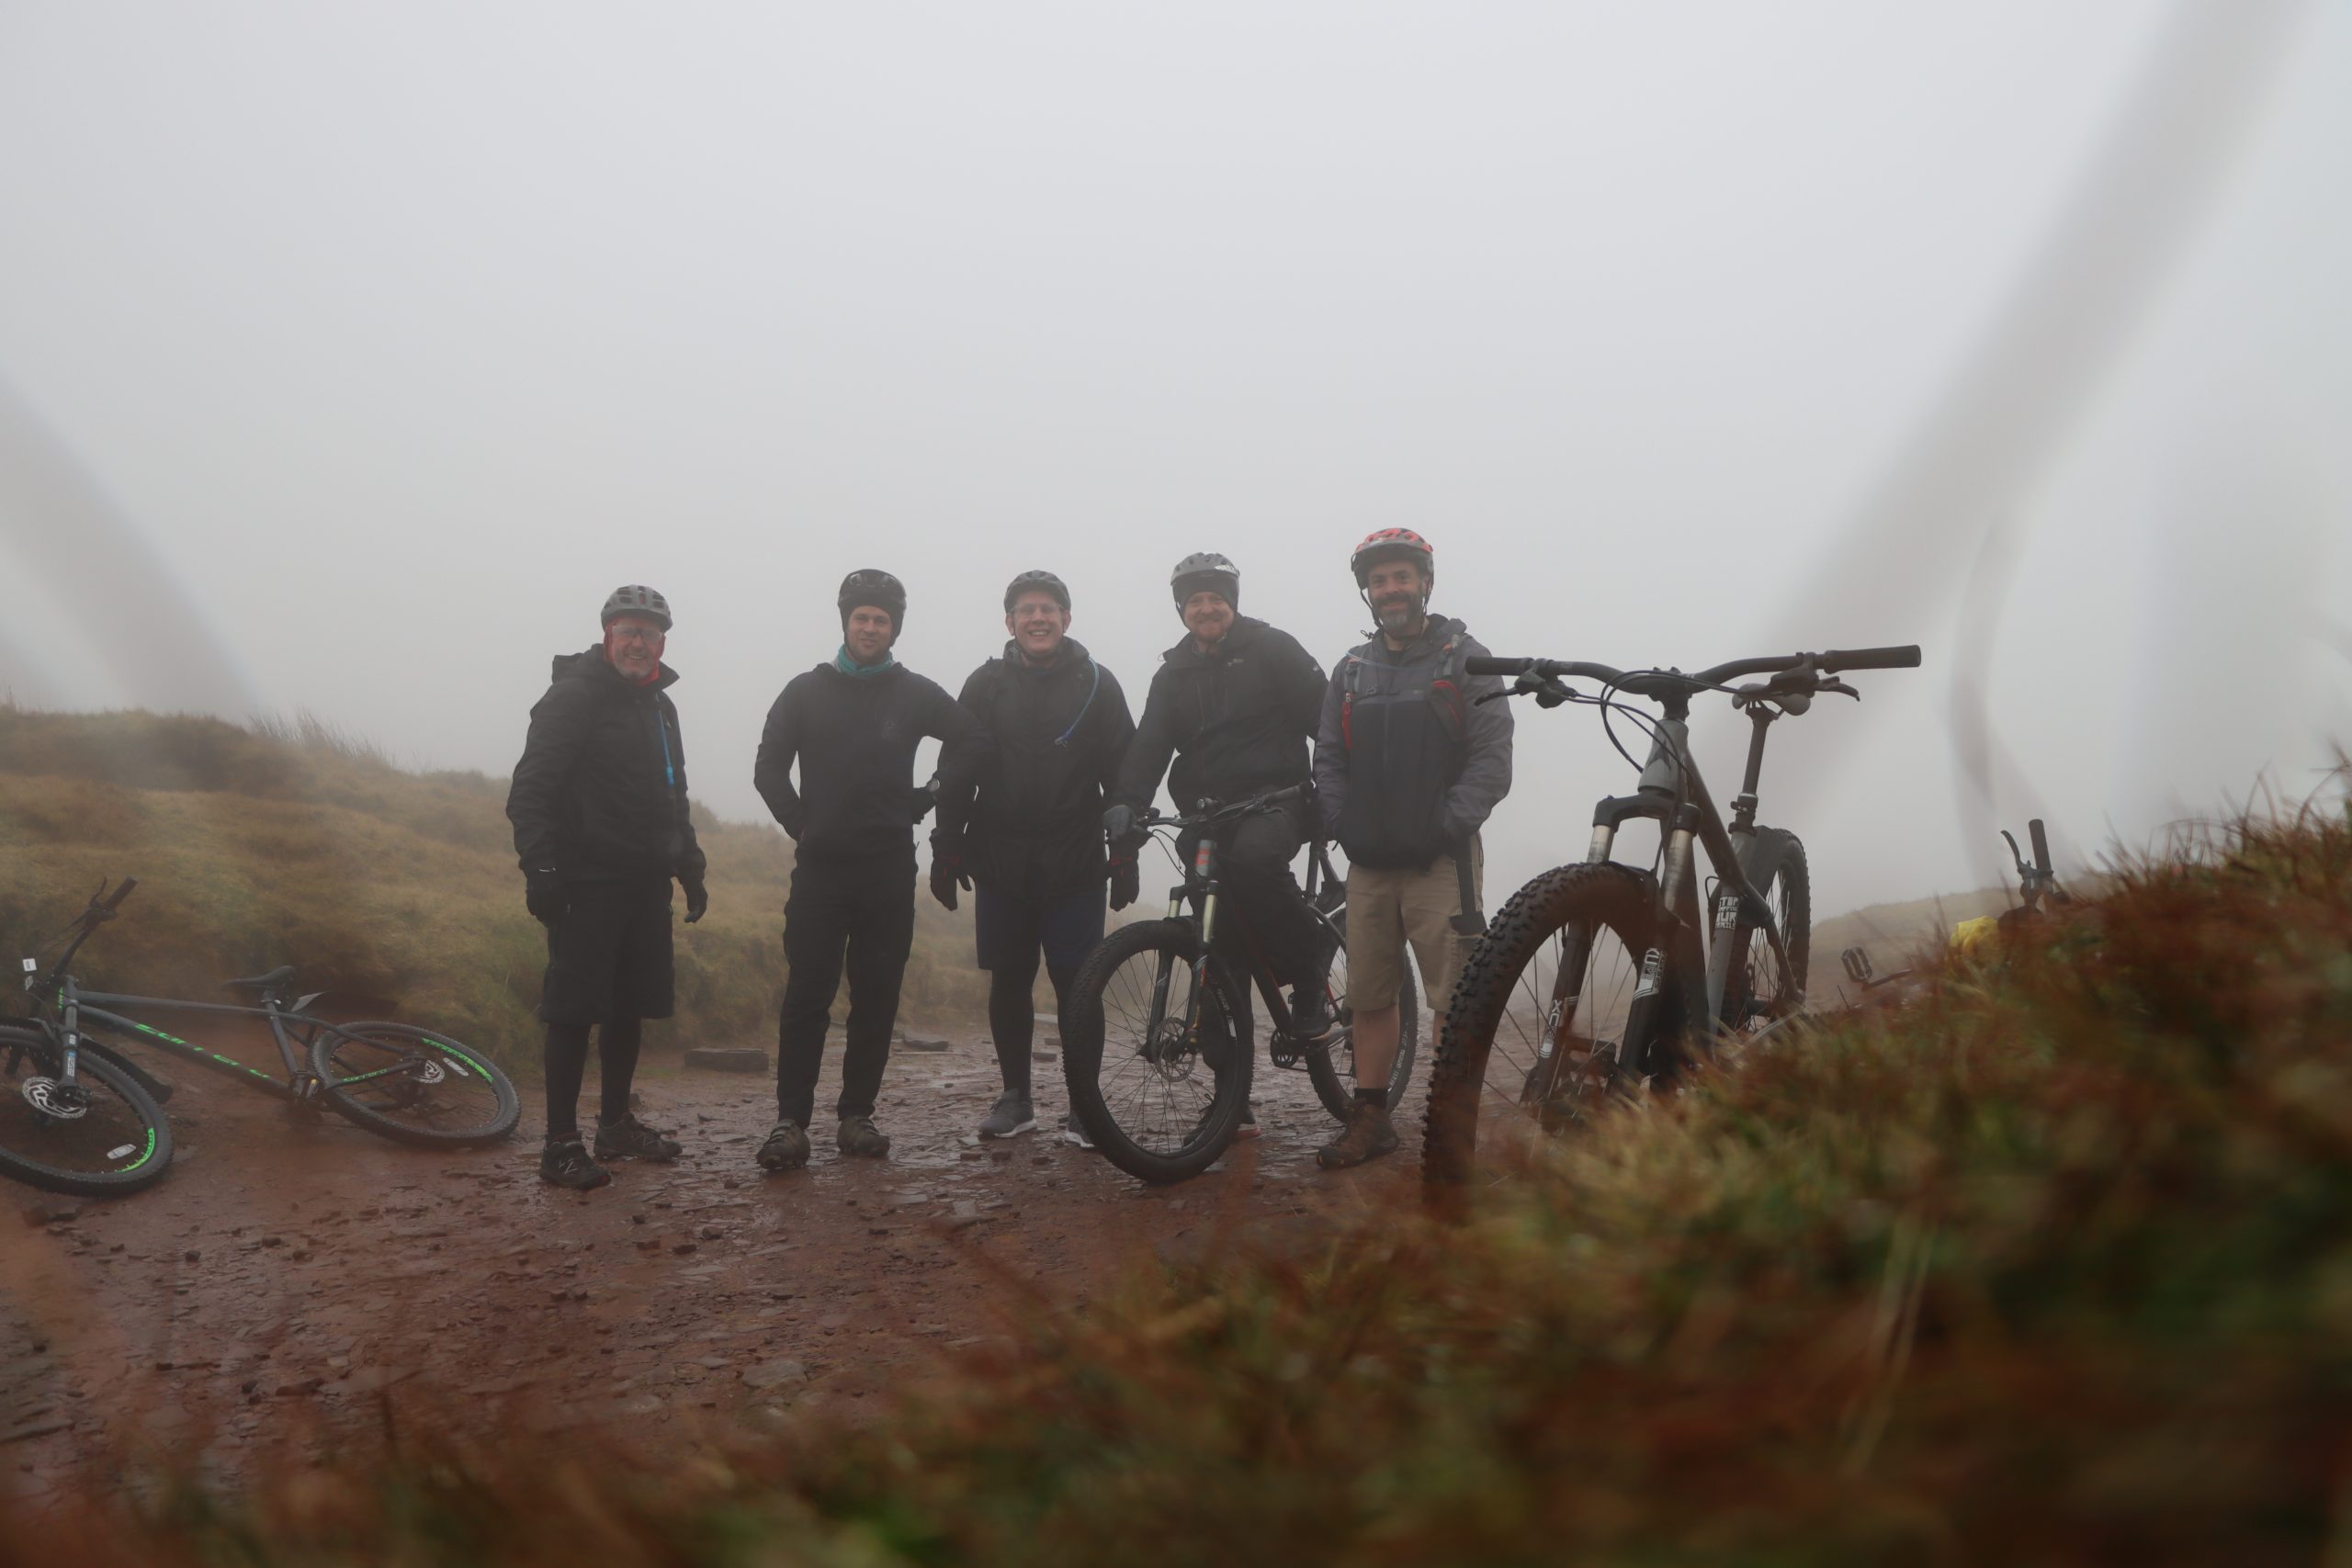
[1662, 682]
[113, 901]
[1211, 810]
[2041, 846]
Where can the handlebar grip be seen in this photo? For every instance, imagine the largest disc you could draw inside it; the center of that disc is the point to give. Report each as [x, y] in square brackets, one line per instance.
[2041, 846]
[1487, 664]
[1870, 658]
[122, 890]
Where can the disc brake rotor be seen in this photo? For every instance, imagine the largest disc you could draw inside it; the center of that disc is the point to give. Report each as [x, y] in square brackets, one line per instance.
[66, 1103]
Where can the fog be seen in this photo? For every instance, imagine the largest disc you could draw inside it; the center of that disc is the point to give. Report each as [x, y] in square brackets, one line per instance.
[350, 354]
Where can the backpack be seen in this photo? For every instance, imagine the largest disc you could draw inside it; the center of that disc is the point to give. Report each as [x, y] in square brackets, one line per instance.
[1444, 693]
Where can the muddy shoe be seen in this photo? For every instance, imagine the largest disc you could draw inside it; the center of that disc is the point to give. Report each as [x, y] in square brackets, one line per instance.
[1013, 1113]
[860, 1136]
[787, 1147]
[565, 1163]
[629, 1138]
[1074, 1132]
[1369, 1134]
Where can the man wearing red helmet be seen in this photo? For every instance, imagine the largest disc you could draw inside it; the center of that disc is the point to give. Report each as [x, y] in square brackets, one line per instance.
[1408, 765]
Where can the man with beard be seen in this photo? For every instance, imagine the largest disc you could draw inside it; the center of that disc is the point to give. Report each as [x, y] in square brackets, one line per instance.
[1408, 764]
[1236, 702]
[852, 722]
[1034, 840]
[600, 827]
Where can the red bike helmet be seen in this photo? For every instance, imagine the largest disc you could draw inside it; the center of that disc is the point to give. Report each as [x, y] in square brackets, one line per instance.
[1391, 544]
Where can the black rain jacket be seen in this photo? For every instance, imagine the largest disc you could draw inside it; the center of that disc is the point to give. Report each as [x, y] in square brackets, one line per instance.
[1238, 718]
[600, 793]
[1061, 731]
[855, 736]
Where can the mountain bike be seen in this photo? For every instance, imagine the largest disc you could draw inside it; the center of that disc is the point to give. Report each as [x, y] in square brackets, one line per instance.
[2035, 882]
[1599, 980]
[79, 1115]
[1157, 1034]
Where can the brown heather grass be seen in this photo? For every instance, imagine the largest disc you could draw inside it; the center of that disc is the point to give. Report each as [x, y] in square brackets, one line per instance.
[2055, 1266]
[394, 892]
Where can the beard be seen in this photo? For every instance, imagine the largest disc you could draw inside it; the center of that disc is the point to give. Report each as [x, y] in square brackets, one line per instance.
[1397, 614]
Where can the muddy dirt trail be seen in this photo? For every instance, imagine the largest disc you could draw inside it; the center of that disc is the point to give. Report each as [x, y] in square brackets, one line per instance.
[287, 1273]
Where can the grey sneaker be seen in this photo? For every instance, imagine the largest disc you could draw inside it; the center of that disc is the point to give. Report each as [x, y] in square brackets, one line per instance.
[629, 1138]
[1074, 1132]
[787, 1147]
[564, 1162]
[1012, 1115]
[860, 1136]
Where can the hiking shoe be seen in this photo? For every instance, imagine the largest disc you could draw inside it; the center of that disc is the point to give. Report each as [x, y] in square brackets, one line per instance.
[564, 1162]
[1012, 1115]
[1249, 1128]
[860, 1136]
[629, 1138]
[1369, 1136]
[787, 1147]
[1074, 1132]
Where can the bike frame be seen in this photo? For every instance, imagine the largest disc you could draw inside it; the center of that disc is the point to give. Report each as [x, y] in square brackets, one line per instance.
[78, 1009]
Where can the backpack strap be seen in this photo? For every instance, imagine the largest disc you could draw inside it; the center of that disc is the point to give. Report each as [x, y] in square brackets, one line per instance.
[1445, 690]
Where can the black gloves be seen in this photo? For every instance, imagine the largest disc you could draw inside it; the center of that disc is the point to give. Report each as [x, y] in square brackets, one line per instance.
[1118, 823]
[1127, 880]
[920, 800]
[544, 894]
[697, 899]
[947, 873]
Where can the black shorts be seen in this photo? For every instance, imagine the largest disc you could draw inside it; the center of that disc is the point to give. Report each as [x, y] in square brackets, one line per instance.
[1009, 932]
[608, 954]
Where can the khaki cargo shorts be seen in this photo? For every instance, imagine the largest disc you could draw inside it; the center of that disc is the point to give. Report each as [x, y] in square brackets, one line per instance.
[1386, 909]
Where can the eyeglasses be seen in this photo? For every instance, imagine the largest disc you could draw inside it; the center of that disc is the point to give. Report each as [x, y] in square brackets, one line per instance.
[636, 634]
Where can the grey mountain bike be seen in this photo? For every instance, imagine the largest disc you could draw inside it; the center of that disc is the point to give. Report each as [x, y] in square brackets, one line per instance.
[1156, 1037]
[78, 1114]
[1602, 979]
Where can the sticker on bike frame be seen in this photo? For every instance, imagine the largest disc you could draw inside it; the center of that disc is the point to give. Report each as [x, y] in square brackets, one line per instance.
[1726, 911]
[224, 1061]
[1653, 965]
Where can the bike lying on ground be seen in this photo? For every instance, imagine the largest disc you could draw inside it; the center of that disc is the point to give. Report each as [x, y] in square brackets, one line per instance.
[1599, 978]
[77, 1115]
[2035, 882]
[1158, 1034]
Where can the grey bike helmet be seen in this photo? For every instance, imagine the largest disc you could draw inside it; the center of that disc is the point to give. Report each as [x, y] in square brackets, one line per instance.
[878, 589]
[637, 600]
[1039, 582]
[1206, 570]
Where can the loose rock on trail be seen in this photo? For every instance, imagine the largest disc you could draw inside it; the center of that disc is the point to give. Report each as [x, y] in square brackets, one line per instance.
[294, 1276]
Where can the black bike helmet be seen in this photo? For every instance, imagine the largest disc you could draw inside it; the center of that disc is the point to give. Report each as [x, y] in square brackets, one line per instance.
[636, 600]
[1043, 581]
[878, 589]
[1206, 570]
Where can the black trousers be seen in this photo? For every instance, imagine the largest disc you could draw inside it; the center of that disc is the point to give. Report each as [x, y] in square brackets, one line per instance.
[1253, 864]
[859, 914]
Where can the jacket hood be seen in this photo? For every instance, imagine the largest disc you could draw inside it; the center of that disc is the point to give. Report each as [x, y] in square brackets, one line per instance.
[1247, 629]
[593, 666]
[1434, 636]
[891, 672]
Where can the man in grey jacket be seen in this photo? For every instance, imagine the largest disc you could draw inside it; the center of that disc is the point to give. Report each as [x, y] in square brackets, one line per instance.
[1408, 765]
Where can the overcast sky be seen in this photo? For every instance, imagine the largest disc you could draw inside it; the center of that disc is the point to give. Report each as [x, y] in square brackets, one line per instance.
[350, 354]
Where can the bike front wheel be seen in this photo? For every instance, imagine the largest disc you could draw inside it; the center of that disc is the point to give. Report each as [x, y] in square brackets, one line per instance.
[413, 1086]
[100, 1136]
[1331, 1062]
[1535, 1034]
[1161, 1100]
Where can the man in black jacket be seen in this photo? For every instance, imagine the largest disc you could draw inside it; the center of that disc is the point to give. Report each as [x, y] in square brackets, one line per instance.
[1033, 841]
[1237, 702]
[853, 723]
[600, 827]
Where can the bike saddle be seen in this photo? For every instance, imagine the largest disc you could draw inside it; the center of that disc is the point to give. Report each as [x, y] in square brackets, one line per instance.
[276, 979]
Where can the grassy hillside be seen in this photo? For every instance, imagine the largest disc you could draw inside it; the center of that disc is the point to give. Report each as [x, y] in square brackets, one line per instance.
[2053, 1266]
[393, 891]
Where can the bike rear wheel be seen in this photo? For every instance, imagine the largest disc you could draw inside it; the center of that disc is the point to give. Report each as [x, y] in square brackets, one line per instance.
[413, 1086]
[102, 1136]
[1504, 1074]
[1761, 990]
[1331, 1062]
[1161, 1104]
